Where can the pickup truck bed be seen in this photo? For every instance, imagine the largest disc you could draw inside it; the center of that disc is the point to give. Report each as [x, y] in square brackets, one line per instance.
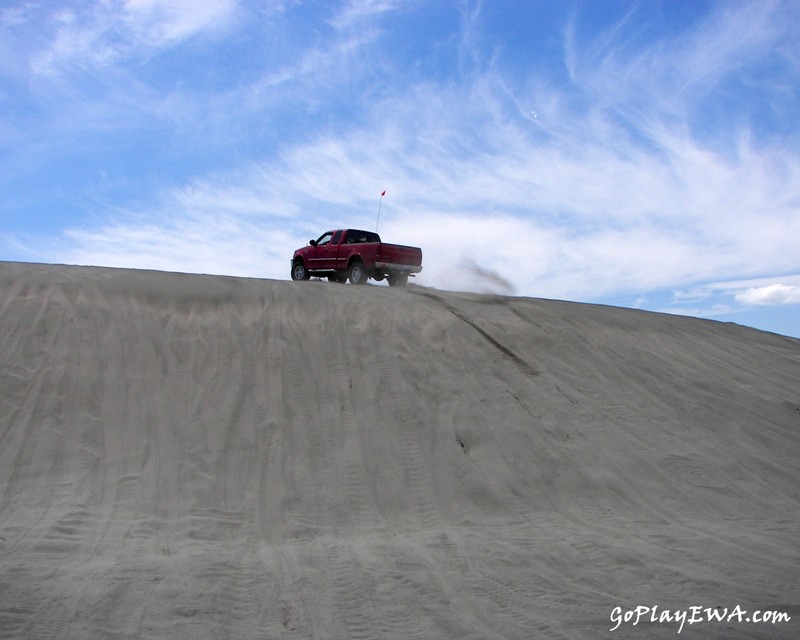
[356, 255]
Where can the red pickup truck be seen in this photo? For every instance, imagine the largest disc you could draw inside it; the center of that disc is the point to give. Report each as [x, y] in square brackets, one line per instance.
[356, 255]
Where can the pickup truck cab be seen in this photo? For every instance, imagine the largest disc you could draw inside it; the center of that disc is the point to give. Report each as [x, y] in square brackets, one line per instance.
[356, 255]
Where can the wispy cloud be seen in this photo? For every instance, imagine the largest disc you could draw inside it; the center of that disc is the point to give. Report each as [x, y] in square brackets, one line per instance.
[102, 34]
[354, 13]
[158, 23]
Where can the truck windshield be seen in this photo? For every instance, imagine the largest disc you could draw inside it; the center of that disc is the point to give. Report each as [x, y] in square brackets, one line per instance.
[353, 236]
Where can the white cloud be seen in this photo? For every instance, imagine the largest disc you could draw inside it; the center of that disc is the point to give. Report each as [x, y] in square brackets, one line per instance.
[112, 31]
[774, 294]
[733, 287]
[658, 81]
[197, 242]
[355, 13]
[162, 22]
[709, 311]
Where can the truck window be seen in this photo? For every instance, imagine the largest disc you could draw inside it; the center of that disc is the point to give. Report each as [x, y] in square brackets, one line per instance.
[336, 237]
[354, 235]
[325, 238]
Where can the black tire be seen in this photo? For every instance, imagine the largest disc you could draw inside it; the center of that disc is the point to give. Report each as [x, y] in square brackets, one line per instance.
[398, 279]
[357, 273]
[299, 271]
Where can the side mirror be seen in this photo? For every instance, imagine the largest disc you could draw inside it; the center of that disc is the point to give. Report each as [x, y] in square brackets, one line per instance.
[313, 243]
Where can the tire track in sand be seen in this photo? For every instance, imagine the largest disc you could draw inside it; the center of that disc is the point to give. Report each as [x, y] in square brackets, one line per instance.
[521, 364]
[410, 454]
[313, 493]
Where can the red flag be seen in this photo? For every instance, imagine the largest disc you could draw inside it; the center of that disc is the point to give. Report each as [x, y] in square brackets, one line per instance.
[383, 193]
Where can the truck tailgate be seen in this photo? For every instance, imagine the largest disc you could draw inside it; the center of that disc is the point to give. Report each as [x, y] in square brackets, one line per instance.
[399, 254]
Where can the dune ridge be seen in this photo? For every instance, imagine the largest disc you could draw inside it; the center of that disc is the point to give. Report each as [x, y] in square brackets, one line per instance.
[187, 456]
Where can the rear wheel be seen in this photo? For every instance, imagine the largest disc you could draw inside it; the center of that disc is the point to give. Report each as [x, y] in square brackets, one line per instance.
[357, 273]
[398, 279]
[299, 271]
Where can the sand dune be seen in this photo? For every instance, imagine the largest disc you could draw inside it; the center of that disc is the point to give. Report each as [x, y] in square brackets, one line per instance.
[188, 456]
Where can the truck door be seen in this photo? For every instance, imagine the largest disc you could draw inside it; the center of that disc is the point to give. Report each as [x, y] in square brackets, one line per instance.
[327, 251]
[319, 257]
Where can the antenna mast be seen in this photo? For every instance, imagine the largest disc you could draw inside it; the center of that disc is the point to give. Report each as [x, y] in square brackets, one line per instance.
[377, 222]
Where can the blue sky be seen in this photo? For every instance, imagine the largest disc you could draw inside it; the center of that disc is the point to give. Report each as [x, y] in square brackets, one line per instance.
[642, 154]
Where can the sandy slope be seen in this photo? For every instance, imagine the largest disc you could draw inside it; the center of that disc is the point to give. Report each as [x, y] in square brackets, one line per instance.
[189, 456]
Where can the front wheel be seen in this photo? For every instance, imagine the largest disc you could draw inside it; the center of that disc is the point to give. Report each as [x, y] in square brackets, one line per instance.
[357, 273]
[299, 271]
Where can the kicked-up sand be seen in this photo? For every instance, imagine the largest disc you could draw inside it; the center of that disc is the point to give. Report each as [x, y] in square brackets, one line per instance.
[186, 456]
